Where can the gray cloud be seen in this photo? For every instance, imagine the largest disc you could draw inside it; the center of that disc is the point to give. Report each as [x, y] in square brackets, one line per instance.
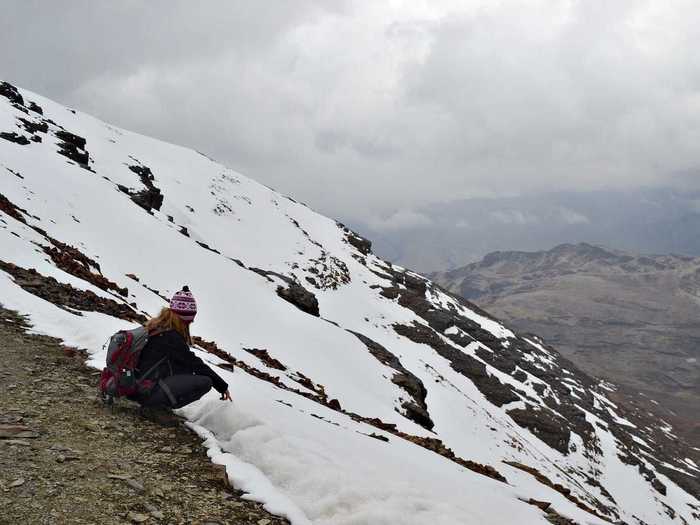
[654, 220]
[368, 110]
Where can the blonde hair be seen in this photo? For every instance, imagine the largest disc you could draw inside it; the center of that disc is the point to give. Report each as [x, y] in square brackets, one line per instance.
[169, 320]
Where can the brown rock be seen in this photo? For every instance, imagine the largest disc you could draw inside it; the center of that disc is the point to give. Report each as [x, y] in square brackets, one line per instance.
[544, 505]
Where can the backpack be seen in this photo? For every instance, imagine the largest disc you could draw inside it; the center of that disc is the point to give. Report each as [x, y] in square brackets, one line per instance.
[118, 378]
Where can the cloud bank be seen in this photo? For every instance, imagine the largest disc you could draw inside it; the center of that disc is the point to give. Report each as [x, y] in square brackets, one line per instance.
[367, 110]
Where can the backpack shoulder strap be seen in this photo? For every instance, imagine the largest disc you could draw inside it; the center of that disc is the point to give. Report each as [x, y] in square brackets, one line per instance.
[157, 331]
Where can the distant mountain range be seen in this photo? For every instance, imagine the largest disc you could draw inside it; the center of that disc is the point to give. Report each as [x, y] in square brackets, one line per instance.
[452, 234]
[628, 318]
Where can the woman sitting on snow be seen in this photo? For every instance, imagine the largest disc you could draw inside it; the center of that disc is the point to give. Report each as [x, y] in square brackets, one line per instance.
[181, 377]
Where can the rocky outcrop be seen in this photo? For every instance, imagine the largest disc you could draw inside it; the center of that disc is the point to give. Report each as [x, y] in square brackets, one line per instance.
[11, 209]
[72, 261]
[416, 408]
[11, 93]
[496, 392]
[73, 147]
[151, 197]
[34, 126]
[207, 247]
[300, 297]
[266, 358]
[66, 296]
[327, 272]
[544, 424]
[14, 137]
[36, 108]
[364, 246]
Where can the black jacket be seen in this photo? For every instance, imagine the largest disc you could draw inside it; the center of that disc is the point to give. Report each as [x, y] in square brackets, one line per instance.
[179, 359]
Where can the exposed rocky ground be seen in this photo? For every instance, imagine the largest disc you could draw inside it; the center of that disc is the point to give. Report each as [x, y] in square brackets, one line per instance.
[634, 320]
[64, 458]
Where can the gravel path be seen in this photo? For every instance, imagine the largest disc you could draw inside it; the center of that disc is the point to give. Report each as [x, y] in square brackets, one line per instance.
[64, 458]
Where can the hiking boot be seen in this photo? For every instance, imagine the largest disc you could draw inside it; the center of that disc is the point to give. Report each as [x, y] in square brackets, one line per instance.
[160, 416]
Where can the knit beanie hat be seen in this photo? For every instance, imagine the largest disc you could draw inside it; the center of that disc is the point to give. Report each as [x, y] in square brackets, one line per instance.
[184, 305]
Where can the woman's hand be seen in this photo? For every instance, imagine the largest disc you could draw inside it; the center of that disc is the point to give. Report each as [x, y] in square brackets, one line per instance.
[226, 396]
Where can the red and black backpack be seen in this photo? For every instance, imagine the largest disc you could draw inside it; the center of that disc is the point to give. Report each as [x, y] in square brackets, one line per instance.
[118, 378]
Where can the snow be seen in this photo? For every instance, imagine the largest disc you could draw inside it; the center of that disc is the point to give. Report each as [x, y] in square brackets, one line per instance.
[311, 470]
[248, 478]
[494, 327]
[692, 463]
[347, 476]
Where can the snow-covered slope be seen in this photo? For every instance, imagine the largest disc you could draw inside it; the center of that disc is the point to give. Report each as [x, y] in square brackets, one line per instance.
[363, 393]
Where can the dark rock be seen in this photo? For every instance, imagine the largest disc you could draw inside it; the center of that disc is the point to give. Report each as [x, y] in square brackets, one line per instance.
[206, 247]
[544, 424]
[658, 486]
[364, 246]
[14, 137]
[543, 505]
[12, 209]
[73, 147]
[15, 173]
[390, 292]
[267, 273]
[36, 108]
[418, 414]
[503, 361]
[11, 93]
[71, 139]
[266, 358]
[34, 126]
[144, 173]
[237, 261]
[519, 375]
[150, 198]
[300, 297]
[382, 355]
[539, 388]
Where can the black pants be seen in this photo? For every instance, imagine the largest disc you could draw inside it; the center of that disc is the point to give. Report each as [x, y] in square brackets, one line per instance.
[177, 391]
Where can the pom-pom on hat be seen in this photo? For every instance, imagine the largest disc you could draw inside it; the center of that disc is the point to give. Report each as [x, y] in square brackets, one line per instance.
[184, 305]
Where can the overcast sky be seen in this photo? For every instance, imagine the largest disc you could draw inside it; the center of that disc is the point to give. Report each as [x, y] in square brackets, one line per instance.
[374, 109]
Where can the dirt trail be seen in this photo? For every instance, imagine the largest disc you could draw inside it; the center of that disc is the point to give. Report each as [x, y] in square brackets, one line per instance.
[66, 459]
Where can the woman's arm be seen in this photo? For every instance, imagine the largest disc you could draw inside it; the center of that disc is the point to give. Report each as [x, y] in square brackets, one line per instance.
[183, 358]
